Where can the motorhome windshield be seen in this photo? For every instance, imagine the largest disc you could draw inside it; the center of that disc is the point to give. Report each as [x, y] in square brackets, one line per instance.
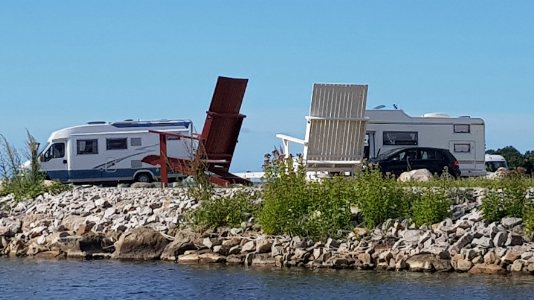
[493, 166]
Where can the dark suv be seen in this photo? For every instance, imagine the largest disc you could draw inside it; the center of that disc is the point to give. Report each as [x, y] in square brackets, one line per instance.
[434, 160]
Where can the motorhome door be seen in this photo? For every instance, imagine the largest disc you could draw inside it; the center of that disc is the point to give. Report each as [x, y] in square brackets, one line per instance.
[54, 161]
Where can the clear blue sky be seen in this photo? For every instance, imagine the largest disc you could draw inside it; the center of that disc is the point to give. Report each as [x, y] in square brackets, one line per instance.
[63, 63]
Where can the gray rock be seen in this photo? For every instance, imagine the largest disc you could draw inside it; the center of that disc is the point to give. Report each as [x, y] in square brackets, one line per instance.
[511, 222]
[485, 242]
[500, 239]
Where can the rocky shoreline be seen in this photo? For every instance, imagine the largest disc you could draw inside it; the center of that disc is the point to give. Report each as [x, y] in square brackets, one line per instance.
[145, 224]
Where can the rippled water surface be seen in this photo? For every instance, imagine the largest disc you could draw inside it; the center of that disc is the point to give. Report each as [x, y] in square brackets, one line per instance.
[105, 279]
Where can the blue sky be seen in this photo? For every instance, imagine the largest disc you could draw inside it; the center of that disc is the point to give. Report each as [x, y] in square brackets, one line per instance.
[63, 63]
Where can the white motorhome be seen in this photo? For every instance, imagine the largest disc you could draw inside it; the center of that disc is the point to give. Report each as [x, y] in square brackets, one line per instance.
[112, 152]
[494, 162]
[464, 136]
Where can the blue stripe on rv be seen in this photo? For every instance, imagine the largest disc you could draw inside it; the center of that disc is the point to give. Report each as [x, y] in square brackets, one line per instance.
[97, 175]
[151, 124]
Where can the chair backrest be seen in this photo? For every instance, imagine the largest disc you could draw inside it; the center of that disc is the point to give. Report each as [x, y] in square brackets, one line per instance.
[336, 124]
[223, 123]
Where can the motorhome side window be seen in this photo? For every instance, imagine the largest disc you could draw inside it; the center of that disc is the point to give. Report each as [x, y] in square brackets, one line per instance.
[87, 146]
[57, 150]
[116, 144]
[400, 138]
[462, 148]
[462, 128]
[135, 142]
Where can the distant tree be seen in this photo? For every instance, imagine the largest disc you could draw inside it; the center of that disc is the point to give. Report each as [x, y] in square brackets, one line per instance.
[491, 151]
[530, 155]
[513, 157]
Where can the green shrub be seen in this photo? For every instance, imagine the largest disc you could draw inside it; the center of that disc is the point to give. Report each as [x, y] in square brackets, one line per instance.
[430, 206]
[24, 183]
[380, 198]
[225, 211]
[493, 206]
[528, 218]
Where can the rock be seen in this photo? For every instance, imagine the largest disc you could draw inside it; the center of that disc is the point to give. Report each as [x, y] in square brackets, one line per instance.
[80, 246]
[72, 222]
[500, 239]
[140, 243]
[415, 175]
[178, 247]
[487, 269]
[188, 259]
[262, 260]
[462, 242]
[211, 258]
[142, 185]
[411, 236]
[263, 245]
[511, 222]
[517, 266]
[427, 262]
[248, 247]
[485, 242]
[464, 265]
[514, 240]
[489, 258]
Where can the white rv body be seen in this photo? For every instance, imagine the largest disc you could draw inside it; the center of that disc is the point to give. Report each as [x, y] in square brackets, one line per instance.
[464, 137]
[112, 152]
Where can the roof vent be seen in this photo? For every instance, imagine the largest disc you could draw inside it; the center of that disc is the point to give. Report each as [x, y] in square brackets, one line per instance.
[96, 122]
[436, 115]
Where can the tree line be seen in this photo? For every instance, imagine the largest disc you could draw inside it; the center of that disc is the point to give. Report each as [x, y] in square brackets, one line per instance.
[513, 157]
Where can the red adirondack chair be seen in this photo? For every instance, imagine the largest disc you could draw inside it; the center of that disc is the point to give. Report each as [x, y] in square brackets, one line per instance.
[216, 143]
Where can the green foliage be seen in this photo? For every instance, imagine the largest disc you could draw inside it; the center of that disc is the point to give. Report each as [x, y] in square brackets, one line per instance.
[528, 218]
[493, 206]
[20, 182]
[295, 205]
[513, 157]
[380, 198]
[508, 200]
[225, 211]
[430, 206]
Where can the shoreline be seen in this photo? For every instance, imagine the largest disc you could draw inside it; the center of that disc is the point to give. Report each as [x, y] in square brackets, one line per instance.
[142, 224]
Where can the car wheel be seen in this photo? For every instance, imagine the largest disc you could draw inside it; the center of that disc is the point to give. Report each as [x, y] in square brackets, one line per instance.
[143, 177]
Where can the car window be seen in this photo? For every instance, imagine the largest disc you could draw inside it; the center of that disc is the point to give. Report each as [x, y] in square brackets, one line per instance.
[427, 154]
[411, 154]
[399, 156]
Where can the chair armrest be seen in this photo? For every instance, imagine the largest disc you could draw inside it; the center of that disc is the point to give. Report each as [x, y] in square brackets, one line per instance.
[286, 139]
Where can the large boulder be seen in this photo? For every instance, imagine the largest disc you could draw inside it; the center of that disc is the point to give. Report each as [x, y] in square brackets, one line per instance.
[140, 243]
[80, 246]
[428, 262]
[416, 175]
[487, 269]
[178, 247]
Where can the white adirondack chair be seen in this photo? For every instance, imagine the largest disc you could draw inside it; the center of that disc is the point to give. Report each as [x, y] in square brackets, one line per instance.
[335, 133]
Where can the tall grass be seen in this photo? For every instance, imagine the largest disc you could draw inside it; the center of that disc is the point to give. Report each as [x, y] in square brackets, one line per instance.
[23, 183]
[295, 205]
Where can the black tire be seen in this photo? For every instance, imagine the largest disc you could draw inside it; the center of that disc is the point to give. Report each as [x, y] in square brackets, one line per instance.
[143, 177]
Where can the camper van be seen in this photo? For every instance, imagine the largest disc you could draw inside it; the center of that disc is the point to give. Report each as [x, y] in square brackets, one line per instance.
[494, 162]
[464, 136]
[112, 152]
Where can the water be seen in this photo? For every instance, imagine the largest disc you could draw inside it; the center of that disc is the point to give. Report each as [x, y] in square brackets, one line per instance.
[106, 279]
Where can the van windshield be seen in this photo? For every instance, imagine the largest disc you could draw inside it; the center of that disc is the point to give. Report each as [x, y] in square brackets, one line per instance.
[493, 166]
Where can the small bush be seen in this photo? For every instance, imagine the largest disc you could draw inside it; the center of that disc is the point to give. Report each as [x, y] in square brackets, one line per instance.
[225, 211]
[493, 206]
[380, 198]
[24, 183]
[430, 206]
